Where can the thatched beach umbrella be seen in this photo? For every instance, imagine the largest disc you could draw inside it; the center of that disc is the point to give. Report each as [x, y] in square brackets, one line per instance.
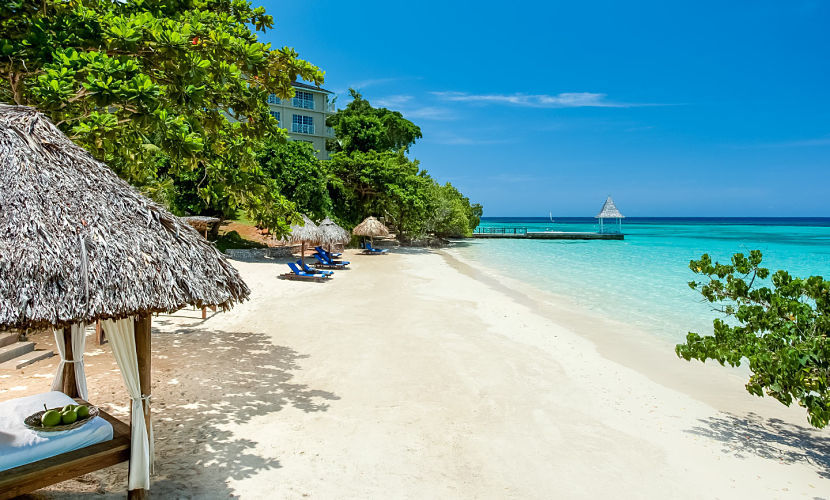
[332, 234]
[370, 227]
[77, 245]
[307, 233]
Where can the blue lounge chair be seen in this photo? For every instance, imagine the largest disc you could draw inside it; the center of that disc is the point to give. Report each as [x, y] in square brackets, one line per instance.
[298, 274]
[335, 262]
[330, 264]
[322, 251]
[305, 267]
[370, 249]
[325, 258]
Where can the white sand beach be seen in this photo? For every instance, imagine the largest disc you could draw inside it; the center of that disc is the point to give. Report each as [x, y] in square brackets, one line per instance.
[417, 375]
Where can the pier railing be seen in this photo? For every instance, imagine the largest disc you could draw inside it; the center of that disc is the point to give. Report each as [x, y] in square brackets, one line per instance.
[500, 230]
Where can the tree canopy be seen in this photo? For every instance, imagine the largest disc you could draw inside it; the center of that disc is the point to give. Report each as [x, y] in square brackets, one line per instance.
[782, 330]
[373, 176]
[298, 175]
[361, 127]
[170, 93]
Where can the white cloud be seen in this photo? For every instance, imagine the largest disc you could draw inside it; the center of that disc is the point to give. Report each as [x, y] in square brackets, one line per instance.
[815, 142]
[405, 104]
[430, 113]
[562, 100]
[392, 101]
[822, 141]
[372, 82]
[457, 140]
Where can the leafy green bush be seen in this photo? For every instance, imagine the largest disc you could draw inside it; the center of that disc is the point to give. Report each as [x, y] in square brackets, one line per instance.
[370, 174]
[781, 331]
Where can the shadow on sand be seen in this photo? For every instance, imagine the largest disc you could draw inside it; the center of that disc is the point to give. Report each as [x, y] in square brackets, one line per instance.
[769, 438]
[214, 378]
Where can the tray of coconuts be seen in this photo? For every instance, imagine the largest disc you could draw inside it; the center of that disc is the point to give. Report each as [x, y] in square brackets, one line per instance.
[60, 419]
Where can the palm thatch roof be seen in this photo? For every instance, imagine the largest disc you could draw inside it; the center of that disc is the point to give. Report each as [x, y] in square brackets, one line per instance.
[609, 211]
[332, 234]
[370, 227]
[200, 223]
[306, 233]
[77, 243]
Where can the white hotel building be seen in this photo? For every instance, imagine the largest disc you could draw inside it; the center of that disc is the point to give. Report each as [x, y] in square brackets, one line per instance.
[304, 115]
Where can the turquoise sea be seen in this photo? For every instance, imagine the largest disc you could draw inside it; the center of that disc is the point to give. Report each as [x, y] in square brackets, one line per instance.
[642, 280]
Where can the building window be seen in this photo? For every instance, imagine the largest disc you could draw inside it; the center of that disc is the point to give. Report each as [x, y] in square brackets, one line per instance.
[303, 100]
[302, 124]
[273, 99]
[276, 114]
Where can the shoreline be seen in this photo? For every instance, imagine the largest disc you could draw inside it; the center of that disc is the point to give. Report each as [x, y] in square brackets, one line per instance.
[630, 346]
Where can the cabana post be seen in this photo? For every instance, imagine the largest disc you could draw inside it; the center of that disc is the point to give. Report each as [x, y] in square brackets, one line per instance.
[143, 327]
[70, 386]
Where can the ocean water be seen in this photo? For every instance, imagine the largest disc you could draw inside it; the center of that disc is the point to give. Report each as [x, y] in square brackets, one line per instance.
[642, 280]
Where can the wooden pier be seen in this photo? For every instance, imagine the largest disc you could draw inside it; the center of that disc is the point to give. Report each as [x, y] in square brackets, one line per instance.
[523, 233]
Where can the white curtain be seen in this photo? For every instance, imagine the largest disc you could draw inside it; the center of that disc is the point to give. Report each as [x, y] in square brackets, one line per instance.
[121, 336]
[78, 345]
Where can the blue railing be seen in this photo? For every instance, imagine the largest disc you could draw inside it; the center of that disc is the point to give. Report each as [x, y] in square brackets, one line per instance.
[500, 230]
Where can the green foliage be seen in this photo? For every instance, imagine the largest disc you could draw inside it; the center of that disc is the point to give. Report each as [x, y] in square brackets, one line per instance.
[360, 127]
[782, 331]
[298, 175]
[170, 93]
[452, 214]
[233, 239]
[380, 183]
[371, 175]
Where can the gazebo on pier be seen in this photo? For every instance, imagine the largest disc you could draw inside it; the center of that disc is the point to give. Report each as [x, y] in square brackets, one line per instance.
[609, 211]
[80, 245]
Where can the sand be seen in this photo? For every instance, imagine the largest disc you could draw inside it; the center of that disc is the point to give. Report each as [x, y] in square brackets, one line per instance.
[417, 375]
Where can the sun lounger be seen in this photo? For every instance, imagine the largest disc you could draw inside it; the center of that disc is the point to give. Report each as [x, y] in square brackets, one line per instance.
[330, 264]
[300, 275]
[326, 260]
[324, 252]
[305, 267]
[374, 251]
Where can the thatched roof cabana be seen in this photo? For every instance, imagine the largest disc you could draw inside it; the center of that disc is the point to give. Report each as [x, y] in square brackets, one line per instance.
[307, 233]
[609, 210]
[202, 223]
[332, 234]
[78, 245]
[370, 227]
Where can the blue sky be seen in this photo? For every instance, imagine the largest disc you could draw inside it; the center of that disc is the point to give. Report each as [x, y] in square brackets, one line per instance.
[673, 108]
